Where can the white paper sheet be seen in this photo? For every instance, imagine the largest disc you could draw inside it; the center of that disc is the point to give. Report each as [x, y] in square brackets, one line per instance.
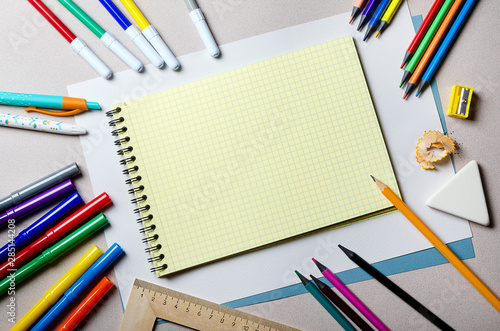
[403, 122]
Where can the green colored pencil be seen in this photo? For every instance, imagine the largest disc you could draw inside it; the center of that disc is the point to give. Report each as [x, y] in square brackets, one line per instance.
[410, 67]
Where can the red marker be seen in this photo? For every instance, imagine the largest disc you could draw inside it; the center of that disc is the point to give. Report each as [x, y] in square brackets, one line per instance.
[421, 32]
[76, 43]
[86, 305]
[54, 234]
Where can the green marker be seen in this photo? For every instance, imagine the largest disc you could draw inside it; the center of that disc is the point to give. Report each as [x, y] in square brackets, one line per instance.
[325, 303]
[410, 67]
[53, 253]
[106, 38]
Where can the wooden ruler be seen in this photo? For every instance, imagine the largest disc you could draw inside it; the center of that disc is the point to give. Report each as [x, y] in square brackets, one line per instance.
[148, 302]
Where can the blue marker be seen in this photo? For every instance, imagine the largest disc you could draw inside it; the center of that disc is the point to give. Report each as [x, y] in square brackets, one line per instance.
[445, 46]
[80, 287]
[39, 227]
[375, 21]
[367, 13]
[134, 34]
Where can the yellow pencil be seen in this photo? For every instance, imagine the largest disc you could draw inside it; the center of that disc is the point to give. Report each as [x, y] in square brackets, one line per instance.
[56, 291]
[441, 247]
[388, 15]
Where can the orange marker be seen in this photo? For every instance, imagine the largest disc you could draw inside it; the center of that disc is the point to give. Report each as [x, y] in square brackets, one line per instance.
[440, 246]
[86, 305]
[433, 46]
[358, 6]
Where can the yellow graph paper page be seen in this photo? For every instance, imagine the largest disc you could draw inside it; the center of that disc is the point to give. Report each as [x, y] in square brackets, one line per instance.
[258, 154]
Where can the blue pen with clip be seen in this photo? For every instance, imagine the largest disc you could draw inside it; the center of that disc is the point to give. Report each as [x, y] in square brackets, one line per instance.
[39, 227]
[83, 284]
[75, 105]
[134, 34]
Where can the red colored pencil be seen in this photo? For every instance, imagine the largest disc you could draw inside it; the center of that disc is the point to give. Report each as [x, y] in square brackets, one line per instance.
[421, 32]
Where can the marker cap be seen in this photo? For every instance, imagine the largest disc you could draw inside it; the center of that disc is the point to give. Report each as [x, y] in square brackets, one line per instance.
[154, 38]
[136, 36]
[201, 25]
[40, 185]
[116, 47]
[82, 49]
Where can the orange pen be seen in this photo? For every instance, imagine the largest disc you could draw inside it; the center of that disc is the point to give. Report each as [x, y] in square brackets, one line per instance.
[358, 7]
[86, 305]
[433, 47]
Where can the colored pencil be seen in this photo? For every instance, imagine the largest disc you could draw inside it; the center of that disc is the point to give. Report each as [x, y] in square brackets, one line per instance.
[358, 7]
[433, 47]
[363, 309]
[440, 246]
[330, 308]
[402, 294]
[344, 307]
[410, 67]
[375, 21]
[421, 31]
[367, 13]
[445, 46]
[388, 15]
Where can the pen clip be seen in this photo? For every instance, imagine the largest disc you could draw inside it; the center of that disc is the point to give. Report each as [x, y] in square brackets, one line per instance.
[55, 113]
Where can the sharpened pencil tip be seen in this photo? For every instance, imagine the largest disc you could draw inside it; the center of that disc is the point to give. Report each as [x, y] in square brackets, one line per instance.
[314, 260]
[303, 279]
[417, 94]
[404, 96]
[373, 180]
[377, 34]
[351, 19]
[402, 65]
[400, 84]
[319, 265]
[346, 251]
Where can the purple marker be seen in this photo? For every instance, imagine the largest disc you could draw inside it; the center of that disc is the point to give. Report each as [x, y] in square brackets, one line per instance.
[38, 201]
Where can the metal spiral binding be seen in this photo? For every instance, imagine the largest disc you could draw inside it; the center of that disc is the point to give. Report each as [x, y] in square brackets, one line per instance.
[127, 159]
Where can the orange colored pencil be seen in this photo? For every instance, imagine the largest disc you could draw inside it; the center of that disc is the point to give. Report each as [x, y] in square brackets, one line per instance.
[440, 246]
[358, 7]
[433, 47]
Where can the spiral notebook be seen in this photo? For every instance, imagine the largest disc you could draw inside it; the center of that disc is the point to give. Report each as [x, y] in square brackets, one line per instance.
[253, 156]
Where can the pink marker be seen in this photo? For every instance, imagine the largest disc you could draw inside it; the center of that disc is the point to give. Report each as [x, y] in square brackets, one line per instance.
[351, 297]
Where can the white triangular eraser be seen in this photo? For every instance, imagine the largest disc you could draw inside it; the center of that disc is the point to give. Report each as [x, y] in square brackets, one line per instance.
[463, 196]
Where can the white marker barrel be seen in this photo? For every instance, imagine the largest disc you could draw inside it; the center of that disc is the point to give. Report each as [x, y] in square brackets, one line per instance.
[154, 38]
[81, 48]
[201, 25]
[116, 47]
[136, 36]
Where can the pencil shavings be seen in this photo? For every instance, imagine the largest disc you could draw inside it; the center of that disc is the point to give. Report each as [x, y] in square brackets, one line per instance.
[427, 145]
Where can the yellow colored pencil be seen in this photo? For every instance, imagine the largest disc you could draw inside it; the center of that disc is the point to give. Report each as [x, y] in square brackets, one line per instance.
[440, 246]
[388, 15]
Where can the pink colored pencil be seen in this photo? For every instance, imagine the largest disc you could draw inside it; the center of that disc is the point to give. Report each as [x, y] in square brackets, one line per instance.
[351, 297]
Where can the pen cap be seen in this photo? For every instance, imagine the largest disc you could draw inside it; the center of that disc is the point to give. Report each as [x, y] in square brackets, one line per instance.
[94, 272]
[69, 242]
[40, 185]
[116, 47]
[206, 36]
[86, 305]
[82, 49]
[81, 215]
[136, 36]
[38, 201]
[54, 215]
[159, 45]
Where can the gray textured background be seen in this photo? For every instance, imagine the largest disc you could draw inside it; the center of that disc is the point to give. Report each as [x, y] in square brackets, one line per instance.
[34, 58]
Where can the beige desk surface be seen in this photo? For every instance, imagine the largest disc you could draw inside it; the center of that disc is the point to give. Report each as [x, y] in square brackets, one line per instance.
[34, 58]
